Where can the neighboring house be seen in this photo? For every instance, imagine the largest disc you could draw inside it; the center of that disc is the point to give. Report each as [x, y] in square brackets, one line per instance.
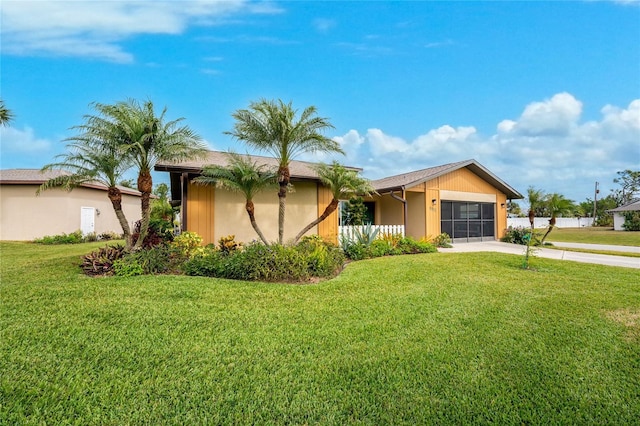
[618, 214]
[25, 215]
[462, 199]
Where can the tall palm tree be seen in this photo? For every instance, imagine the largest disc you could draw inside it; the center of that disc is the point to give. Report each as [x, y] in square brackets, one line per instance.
[5, 114]
[536, 201]
[272, 126]
[93, 158]
[243, 176]
[343, 184]
[146, 138]
[557, 205]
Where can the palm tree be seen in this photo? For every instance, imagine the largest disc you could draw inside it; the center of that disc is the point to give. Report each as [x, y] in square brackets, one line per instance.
[272, 126]
[536, 198]
[343, 184]
[146, 138]
[243, 176]
[93, 158]
[6, 115]
[557, 205]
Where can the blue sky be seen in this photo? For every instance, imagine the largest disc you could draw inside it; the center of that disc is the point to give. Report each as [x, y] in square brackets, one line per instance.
[541, 93]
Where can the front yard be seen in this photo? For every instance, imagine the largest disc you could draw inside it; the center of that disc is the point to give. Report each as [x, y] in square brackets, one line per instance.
[420, 339]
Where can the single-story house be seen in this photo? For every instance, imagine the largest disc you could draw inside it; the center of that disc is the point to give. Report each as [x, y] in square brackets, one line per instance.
[463, 199]
[25, 216]
[618, 218]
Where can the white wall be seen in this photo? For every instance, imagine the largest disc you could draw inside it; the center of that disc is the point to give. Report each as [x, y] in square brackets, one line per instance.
[543, 222]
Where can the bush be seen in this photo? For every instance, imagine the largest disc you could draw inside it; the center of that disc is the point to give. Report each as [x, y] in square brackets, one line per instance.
[442, 240]
[73, 238]
[207, 263]
[127, 268]
[106, 236]
[187, 244]
[160, 232]
[408, 245]
[323, 259]
[520, 235]
[228, 244]
[631, 221]
[100, 262]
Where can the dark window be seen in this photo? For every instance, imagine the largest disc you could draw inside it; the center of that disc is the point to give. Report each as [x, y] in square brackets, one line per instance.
[465, 220]
[488, 211]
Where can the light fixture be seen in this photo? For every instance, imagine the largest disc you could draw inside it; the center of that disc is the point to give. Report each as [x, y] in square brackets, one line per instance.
[433, 201]
[98, 212]
[502, 205]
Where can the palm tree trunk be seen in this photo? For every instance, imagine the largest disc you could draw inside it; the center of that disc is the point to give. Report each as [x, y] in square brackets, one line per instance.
[333, 205]
[552, 224]
[116, 201]
[145, 186]
[284, 178]
[252, 218]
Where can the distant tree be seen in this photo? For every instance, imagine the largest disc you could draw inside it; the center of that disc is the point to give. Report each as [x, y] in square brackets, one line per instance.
[343, 183]
[557, 205]
[355, 212]
[161, 208]
[602, 217]
[514, 209]
[274, 126]
[6, 116]
[127, 183]
[629, 190]
[244, 176]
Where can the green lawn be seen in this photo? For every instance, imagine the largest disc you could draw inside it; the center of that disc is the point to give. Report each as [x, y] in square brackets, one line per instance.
[424, 339]
[595, 235]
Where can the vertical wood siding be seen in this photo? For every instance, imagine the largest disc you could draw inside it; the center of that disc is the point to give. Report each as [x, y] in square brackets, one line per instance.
[200, 217]
[328, 228]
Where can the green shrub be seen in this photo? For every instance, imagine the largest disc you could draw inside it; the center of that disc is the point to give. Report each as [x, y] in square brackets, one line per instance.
[127, 268]
[106, 236]
[266, 263]
[380, 248]
[354, 250]
[323, 259]
[187, 244]
[73, 238]
[160, 232]
[631, 221]
[519, 235]
[442, 240]
[100, 262]
[408, 245]
[228, 244]
[207, 263]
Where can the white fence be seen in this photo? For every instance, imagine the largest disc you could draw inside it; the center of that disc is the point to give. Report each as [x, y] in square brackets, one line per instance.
[543, 222]
[350, 232]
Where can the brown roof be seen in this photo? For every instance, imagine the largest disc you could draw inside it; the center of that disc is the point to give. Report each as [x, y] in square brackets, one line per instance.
[38, 177]
[411, 179]
[634, 206]
[298, 169]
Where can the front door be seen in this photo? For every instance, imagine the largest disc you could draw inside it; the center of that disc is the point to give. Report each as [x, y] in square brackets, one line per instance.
[87, 220]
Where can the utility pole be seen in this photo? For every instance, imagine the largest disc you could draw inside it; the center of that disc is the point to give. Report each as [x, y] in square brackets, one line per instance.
[595, 202]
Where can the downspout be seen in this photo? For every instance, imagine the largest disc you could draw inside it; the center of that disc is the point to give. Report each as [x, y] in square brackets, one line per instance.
[404, 207]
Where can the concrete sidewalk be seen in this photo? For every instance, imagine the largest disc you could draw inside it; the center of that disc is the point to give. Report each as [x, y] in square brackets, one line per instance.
[500, 247]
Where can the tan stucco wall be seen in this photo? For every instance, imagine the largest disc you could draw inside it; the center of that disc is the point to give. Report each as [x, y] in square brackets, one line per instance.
[388, 211]
[229, 216]
[25, 216]
[416, 214]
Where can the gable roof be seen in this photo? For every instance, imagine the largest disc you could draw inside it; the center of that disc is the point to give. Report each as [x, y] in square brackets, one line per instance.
[38, 177]
[298, 169]
[411, 179]
[633, 206]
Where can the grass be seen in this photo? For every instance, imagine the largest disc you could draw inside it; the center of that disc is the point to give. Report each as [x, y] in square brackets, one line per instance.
[423, 339]
[595, 235]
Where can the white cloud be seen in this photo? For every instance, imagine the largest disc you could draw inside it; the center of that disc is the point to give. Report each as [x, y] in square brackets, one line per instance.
[22, 141]
[547, 146]
[324, 25]
[95, 28]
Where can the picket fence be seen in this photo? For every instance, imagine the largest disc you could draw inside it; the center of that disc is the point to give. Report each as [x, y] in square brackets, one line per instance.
[350, 232]
[543, 222]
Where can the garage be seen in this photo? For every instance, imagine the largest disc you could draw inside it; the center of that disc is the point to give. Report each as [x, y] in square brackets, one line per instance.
[468, 221]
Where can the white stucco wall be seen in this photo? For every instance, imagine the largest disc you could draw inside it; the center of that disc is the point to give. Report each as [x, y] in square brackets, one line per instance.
[25, 216]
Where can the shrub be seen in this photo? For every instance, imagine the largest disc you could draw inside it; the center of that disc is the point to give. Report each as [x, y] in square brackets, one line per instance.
[73, 238]
[380, 248]
[631, 221]
[207, 263]
[323, 259]
[266, 263]
[100, 262]
[187, 244]
[160, 232]
[520, 235]
[408, 245]
[127, 268]
[228, 244]
[442, 240]
[354, 250]
[106, 236]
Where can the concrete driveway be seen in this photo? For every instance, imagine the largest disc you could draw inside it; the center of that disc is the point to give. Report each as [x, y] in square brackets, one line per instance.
[600, 259]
